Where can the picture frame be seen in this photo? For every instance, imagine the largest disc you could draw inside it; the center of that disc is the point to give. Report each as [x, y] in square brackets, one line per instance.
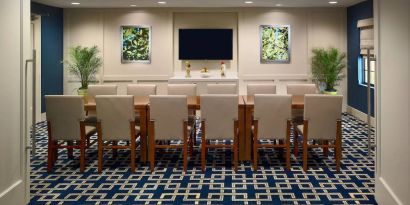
[275, 44]
[135, 44]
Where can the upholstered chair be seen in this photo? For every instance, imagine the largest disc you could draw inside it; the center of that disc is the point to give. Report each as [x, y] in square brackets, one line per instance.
[219, 115]
[141, 89]
[297, 114]
[221, 89]
[188, 90]
[272, 121]
[323, 123]
[168, 122]
[66, 122]
[94, 90]
[116, 122]
[253, 89]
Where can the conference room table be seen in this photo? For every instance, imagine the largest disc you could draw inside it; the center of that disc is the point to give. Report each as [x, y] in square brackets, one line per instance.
[245, 113]
[141, 104]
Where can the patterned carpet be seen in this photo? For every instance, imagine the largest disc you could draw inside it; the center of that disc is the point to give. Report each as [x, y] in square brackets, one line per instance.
[271, 184]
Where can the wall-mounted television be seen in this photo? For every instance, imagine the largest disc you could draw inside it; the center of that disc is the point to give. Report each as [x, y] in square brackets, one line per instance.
[205, 44]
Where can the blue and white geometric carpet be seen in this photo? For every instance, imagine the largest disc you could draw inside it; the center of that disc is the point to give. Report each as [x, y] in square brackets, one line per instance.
[271, 184]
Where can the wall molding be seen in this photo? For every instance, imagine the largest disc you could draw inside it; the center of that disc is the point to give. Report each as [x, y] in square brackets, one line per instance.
[385, 194]
[361, 115]
[279, 77]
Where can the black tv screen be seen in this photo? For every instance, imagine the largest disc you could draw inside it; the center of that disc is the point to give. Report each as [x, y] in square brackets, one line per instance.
[205, 44]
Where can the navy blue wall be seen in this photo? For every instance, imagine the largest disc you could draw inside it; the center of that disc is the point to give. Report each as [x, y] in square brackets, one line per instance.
[51, 50]
[357, 94]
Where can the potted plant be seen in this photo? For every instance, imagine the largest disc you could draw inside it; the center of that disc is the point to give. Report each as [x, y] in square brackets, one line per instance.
[84, 63]
[327, 65]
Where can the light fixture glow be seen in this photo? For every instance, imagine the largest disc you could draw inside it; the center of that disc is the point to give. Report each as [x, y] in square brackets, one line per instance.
[248, 2]
[332, 2]
[133, 5]
[75, 3]
[278, 4]
[162, 2]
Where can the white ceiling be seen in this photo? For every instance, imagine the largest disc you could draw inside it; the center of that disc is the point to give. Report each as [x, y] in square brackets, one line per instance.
[195, 3]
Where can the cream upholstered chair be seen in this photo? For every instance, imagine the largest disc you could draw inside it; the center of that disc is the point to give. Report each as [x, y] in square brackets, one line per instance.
[322, 122]
[116, 121]
[94, 90]
[66, 122]
[297, 114]
[272, 120]
[301, 89]
[253, 89]
[182, 89]
[188, 90]
[221, 89]
[169, 121]
[141, 89]
[219, 115]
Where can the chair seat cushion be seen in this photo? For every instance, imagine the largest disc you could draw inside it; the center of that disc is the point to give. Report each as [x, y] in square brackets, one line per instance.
[90, 120]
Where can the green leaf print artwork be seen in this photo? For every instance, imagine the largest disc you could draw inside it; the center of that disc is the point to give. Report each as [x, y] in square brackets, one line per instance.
[136, 44]
[275, 44]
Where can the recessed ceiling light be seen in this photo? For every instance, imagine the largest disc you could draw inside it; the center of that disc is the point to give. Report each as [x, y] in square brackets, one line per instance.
[278, 4]
[248, 2]
[133, 5]
[332, 2]
[75, 3]
[162, 2]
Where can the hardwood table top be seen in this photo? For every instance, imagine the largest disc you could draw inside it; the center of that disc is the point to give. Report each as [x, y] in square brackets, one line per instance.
[298, 101]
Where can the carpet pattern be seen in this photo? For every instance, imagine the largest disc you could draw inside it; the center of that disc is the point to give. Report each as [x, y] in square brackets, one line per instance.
[270, 184]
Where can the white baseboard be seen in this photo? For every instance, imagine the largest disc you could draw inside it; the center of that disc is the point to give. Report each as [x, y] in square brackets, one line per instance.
[361, 115]
[384, 194]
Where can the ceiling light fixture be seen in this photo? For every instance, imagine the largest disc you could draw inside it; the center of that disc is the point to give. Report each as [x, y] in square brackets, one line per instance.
[75, 3]
[162, 2]
[278, 4]
[133, 5]
[332, 2]
[248, 2]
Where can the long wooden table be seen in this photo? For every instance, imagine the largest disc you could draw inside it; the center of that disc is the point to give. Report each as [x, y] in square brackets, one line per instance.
[249, 100]
[142, 107]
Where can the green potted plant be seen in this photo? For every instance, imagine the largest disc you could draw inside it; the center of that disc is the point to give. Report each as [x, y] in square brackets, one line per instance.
[84, 63]
[327, 66]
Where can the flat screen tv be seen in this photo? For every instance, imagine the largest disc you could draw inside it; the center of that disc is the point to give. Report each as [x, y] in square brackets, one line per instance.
[205, 44]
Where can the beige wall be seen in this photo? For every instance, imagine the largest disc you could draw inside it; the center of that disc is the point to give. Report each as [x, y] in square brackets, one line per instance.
[310, 27]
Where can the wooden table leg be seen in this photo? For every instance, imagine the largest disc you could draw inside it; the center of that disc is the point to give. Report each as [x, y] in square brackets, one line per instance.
[244, 141]
[143, 137]
[248, 133]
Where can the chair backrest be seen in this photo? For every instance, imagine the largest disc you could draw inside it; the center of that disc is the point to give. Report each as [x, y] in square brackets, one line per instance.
[322, 113]
[301, 89]
[141, 89]
[182, 89]
[64, 112]
[219, 113]
[253, 89]
[168, 113]
[94, 90]
[221, 88]
[272, 112]
[115, 112]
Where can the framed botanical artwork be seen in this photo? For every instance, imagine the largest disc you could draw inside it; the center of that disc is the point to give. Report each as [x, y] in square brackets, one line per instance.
[135, 44]
[275, 44]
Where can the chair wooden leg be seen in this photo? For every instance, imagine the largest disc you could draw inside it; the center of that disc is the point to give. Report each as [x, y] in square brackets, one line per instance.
[295, 143]
[235, 146]
[100, 147]
[325, 149]
[70, 150]
[114, 151]
[185, 127]
[305, 146]
[203, 147]
[255, 145]
[338, 145]
[50, 150]
[288, 146]
[82, 147]
[133, 146]
[151, 139]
